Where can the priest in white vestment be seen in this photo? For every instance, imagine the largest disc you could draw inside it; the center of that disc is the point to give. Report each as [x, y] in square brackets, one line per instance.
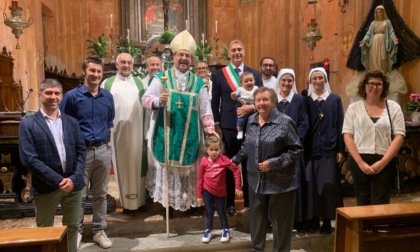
[128, 135]
[184, 97]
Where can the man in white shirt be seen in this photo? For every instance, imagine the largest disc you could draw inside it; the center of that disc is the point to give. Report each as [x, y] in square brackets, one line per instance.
[128, 135]
[268, 65]
[153, 66]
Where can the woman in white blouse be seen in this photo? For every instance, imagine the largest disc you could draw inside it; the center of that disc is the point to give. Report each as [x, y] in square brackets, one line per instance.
[367, 135]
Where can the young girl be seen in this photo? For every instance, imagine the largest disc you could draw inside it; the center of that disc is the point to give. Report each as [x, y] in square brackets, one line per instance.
[245, 95]
[211, 185]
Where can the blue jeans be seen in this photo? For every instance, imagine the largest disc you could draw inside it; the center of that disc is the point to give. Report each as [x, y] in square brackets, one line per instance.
[220, 202]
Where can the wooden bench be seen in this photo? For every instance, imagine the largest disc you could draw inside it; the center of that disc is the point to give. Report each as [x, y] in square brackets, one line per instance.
[44, 239]
[392, 227]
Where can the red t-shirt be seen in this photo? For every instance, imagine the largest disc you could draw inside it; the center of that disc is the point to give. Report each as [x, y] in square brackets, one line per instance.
[212, 176]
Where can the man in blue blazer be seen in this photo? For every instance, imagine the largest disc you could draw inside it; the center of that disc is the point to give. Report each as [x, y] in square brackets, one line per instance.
[226, 81]
[52, 148]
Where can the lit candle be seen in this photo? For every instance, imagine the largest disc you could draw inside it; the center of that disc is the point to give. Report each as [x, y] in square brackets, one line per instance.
[111, 21]
[146, 23]
[216, 26]
[128, 35]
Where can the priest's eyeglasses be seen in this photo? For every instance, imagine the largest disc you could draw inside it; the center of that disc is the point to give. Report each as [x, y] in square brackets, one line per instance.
[267, 65]
[374, 84]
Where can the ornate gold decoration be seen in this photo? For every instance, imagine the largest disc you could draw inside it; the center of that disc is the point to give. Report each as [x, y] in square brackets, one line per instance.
[7, 180]
[6, 158]
[16, 22]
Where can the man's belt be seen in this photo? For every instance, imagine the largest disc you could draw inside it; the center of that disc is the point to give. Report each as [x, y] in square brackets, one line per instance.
[95, 144]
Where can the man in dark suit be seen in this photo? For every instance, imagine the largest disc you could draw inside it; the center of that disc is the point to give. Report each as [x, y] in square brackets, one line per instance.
[52, 148]
[225, 81]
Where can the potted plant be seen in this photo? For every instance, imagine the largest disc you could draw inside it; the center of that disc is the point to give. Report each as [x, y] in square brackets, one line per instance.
[166, 37]
[203, 52]
[99, 46]
[413, 107]
[130, 48]
[225, 54]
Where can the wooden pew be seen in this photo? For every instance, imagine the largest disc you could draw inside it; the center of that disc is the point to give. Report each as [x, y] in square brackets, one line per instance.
[391, 227]
[44, 239]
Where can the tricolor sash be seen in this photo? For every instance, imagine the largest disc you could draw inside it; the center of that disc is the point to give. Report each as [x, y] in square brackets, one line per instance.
[183, 119]
[231, 77]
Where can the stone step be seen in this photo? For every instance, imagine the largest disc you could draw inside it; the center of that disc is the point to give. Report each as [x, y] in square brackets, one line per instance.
[147, 232]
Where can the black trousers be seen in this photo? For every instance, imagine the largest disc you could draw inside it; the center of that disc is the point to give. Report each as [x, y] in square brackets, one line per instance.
[372, 189]
[232, 146]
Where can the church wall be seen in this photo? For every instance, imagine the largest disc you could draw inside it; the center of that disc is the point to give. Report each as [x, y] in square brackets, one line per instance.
[56, 37]
[276, 28]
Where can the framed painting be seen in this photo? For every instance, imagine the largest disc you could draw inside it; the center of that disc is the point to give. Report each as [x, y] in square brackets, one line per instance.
[153, 16]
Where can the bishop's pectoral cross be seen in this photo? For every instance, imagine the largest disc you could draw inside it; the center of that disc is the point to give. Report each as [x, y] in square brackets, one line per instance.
[179, 103]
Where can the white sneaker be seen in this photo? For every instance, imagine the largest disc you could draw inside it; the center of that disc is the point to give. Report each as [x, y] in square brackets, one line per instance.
[207, 236]
[240, 135]
[102, 240]
[79, 239]
[225, 235]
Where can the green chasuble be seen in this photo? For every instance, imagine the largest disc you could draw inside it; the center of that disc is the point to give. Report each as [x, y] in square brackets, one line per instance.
[183, 119]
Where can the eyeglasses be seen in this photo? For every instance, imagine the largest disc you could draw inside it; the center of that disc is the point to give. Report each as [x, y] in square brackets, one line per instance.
[123, 62]
[201, 68]
[374, 84]
[267, 65]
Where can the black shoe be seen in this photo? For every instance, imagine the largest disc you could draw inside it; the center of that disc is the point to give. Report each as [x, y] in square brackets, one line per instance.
[171, 213]
[143, 209]
[300, 227]
[194, 211]
[313, 225]
[128, 211]
[326, 227]
[231, 211]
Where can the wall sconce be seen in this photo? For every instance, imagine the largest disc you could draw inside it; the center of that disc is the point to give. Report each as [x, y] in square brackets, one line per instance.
[313, 35]
[16, 22]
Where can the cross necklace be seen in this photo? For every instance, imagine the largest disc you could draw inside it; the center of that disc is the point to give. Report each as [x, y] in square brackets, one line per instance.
[320, 115]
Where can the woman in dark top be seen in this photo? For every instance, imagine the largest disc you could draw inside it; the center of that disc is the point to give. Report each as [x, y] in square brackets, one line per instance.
[292, 104]
[271, 148]
[325, 148]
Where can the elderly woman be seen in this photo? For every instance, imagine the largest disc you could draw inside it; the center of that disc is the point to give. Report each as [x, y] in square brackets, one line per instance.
[325, 148]
[373, 132]
[271, 148]
[379, 46]
[292, 104]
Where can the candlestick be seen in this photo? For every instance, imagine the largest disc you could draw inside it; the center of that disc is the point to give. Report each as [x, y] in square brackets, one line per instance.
[216, 59]
[111, 21]
[202, 39]
[216, 26]
[146, 24]
[186, 24]
[128, 35]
